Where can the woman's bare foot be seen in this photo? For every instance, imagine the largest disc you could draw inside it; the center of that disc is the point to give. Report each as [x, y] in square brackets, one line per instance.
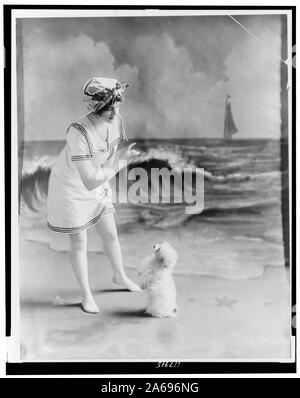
[126, 282]
[89, 305]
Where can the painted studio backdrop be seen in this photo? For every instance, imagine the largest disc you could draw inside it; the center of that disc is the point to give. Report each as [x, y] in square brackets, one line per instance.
[205, 91]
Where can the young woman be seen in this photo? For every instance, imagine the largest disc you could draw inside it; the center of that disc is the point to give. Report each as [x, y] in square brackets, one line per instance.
[79, 195]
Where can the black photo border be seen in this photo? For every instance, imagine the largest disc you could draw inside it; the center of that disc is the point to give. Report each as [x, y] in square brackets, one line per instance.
[138, 368]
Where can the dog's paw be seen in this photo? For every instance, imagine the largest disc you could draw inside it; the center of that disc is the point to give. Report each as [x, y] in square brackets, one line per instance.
[172, 314]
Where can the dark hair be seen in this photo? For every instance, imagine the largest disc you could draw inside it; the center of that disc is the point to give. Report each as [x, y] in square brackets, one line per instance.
[107, 107]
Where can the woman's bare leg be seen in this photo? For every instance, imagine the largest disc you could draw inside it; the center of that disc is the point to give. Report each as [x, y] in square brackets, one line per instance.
[78, 257]
[108, 232]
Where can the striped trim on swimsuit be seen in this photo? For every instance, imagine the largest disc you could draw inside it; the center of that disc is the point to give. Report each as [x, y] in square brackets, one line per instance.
[77, 158]
[84, 132]
[109, 146]
[106, 210]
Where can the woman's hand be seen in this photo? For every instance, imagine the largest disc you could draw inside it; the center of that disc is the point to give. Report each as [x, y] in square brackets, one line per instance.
[126, 153]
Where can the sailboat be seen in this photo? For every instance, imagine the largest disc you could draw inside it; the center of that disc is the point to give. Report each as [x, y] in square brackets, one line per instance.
[229, 125]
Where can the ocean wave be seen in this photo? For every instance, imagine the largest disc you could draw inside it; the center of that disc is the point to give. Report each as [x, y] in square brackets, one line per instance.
[163, 216]
[160, 159]
[240, 205]
[155, 158]
[191, 147]
[267, 175]
[34, 189]
[31, 166]
[174, 157]
[227, 190]
[234, 177]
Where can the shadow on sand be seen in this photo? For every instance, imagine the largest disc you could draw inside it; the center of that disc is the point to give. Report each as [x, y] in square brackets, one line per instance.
[112, 290]
[30, 305]
[140, 313]
[44, 305]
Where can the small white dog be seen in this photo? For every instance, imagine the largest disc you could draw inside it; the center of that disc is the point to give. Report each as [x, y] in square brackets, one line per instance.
[156, 279]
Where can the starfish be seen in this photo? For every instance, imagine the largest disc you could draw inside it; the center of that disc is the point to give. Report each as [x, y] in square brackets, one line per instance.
[225, 302]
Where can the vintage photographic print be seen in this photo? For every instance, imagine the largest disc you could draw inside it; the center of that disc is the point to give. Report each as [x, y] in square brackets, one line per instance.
[151, 181]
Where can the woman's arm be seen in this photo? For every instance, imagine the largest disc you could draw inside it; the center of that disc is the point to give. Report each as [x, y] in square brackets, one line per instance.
[109, 162]
[92, 178]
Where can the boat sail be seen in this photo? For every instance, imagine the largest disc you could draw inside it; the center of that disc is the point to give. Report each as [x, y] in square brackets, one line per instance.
[229, 125]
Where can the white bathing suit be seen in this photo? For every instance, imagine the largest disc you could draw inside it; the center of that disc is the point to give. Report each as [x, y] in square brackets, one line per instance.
[72, 208]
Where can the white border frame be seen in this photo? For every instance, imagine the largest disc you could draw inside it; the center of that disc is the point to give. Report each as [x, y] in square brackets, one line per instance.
[13, 342]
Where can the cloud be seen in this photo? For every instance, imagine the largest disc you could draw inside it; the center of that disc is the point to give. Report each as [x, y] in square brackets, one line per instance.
[53, 79]
[180, 69]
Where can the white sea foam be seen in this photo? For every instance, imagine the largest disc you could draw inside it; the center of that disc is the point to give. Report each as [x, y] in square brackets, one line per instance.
[30, 166]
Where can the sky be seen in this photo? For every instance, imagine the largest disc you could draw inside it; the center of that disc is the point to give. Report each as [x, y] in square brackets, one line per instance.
[179, 70]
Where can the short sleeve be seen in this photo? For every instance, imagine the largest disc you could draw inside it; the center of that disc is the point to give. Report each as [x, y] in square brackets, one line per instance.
[78, 144]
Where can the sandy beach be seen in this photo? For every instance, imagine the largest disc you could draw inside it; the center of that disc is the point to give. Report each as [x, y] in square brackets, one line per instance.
[232, 284]
[227, 317]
